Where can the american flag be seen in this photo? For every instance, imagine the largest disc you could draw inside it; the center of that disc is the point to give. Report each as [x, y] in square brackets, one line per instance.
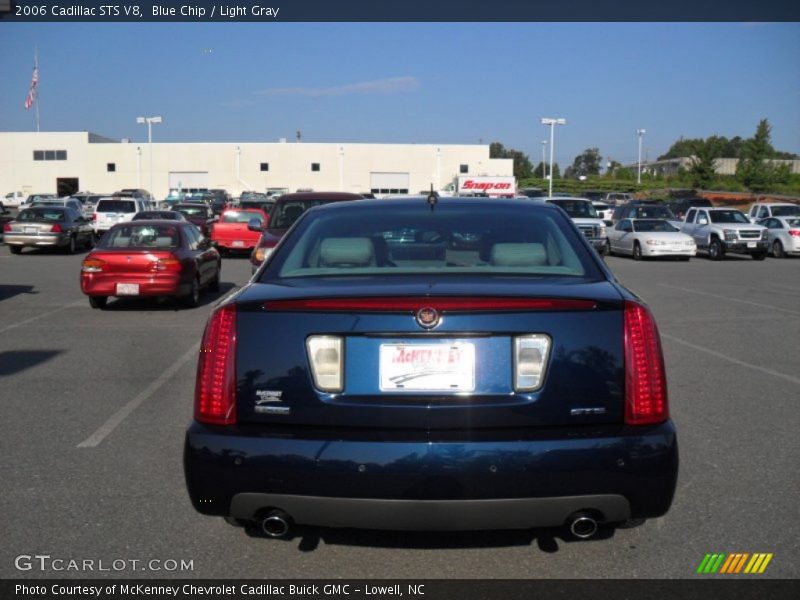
[32, 91]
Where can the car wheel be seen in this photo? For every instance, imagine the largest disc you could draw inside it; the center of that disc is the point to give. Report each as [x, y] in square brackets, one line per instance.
[759, 256]
[777, 250]
[214, 285]
[606, 249]
[98, 301]
[72, 246]
[89, 243]
[193, 299]
[715, 251]
[637, 251]
[15, 249]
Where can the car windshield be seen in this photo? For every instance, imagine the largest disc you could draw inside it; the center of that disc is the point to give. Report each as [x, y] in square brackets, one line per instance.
[286, 213]
[641, 226]
[785, 211]
[123, 206]
[577, 209]
[192, 211]
[144, 235]
[654, 212]
[727, 216]
[241, 216]
[407, 238]
[42, 214]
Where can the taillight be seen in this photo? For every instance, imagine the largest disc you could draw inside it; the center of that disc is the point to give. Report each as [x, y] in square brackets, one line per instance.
[170, 264]
[92, 265]
[94, 216]
[794, 232]
[56, 228]
[325, 353]
[215, 389]
[7, 227]
[530, 357]
[645, 379]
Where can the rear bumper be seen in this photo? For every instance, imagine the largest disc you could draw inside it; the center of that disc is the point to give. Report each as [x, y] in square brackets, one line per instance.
[246, 246]
[46, 239]
[94, 285]
[507, 480]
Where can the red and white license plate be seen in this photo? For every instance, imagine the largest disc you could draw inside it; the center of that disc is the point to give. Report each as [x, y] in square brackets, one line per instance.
[127, 289]
[238, 244]
[446, 367]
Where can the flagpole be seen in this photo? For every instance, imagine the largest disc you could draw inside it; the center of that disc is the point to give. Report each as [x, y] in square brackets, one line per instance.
[36, 96]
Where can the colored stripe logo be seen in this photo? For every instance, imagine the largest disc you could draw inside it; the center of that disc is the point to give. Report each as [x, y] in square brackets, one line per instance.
[735, 563]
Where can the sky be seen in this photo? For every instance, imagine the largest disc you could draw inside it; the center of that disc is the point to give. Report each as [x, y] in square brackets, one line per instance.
[440, 83]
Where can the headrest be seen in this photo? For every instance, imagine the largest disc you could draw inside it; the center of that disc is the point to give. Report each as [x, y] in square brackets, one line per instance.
[518, 255]
[346, 252]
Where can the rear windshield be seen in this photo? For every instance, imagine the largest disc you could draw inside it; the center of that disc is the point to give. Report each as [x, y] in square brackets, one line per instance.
[286, 213]
[785, 211]
[654, 212]
[42, 214]
[118, 206]
[192, 211]
[241, 216]
[133, 235]
[412, 239]
[654, 225]
[155, 214]
[727, 216]
[577, 209]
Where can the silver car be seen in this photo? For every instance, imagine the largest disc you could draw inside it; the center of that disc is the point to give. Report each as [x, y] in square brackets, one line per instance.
[784, 235]
[48, 226]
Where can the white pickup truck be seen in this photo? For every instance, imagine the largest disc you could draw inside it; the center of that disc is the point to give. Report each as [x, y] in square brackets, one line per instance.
[719, 231]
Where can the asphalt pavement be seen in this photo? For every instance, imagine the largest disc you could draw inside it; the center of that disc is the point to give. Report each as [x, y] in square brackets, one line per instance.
[95, 404]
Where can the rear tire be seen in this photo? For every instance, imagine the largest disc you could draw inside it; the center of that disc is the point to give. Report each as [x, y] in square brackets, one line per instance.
[98, 301]
[777, 250]
[214, 285]
[193, 299]
[606, 249]
[637, 251]
[715, 251]
[15, 249]
[72, 246]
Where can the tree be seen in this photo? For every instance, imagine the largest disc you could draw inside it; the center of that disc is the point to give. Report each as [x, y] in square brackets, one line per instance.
[522, 164]
[540, 171]
[587, 163]
[703, 169]
[754, 170]
[612, 168]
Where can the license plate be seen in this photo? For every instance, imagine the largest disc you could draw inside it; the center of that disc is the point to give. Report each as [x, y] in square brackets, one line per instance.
[127, 289]
[238, 244]
[751, 244]
[427, 367]
[31, 229]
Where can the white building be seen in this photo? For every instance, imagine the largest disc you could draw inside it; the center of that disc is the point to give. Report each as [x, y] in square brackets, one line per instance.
[66, 162]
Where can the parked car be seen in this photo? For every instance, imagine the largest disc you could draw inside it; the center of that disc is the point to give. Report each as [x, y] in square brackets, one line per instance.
[166, 215]
[284, 213]
[585, 217]
[13, 199]
[33, 197]
[117, 209]
[764, 210]
[722, 230]
[681, 206]
[594, 195]
[151, 258]
[783, 234]
[5, 217]
[90, 202]
[198, 214]
[604, 211]
[72, 203]
[48, 227]
[134, 193]
[347, 384]
[238, 229]
[638, 209]
[617, 198]
[645, 238]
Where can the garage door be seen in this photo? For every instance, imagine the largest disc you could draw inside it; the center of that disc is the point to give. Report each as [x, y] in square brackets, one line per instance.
[188, 180]
[389, 183]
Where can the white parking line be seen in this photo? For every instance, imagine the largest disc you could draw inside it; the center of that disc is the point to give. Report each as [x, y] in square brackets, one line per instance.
[731, 359]
[111, 424]
[41, 316]
[769, 306]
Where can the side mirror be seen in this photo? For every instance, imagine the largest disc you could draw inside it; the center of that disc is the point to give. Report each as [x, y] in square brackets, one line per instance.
[254, 225]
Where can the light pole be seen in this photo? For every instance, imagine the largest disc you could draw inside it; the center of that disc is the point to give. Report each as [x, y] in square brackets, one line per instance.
[150, 121]
[640, 133]
[138, 166]
[341, 168]
[544, 169]
[552, 123]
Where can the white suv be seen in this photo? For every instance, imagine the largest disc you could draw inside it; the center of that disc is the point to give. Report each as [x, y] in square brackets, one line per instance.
[110, 211]
[765, 210]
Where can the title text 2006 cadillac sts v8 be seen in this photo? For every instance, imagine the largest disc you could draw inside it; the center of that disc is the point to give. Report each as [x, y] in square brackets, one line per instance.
[414, 364]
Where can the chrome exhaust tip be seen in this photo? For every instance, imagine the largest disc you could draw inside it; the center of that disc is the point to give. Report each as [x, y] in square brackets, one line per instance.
[583, 526]
[276, 524]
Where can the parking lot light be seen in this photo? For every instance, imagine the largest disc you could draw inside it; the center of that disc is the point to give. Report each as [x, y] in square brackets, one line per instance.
[640, 133]
[150, 121]
[552, 123]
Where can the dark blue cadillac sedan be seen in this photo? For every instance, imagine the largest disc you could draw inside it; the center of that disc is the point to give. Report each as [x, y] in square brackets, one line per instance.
[415, 364]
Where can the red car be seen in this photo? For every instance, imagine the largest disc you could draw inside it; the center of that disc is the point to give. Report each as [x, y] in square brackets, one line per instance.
[231, 232]
[284, 213]
[150, 258]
